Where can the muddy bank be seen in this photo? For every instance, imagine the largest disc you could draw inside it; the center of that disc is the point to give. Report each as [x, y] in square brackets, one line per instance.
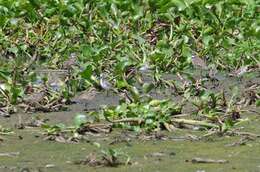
[26, 149]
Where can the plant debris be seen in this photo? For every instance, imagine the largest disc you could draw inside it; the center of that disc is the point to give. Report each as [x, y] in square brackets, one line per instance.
[203, 160]
[109, 158]
[10, 154]
[180, 65]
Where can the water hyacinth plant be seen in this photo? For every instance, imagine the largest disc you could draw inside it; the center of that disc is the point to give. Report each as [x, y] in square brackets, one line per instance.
[52, 50]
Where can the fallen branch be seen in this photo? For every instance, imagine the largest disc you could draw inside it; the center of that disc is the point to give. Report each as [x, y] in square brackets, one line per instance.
[127, 120]
[174, 120]
[95, 128]
[10, 154]
[201, 160]
[238, 133]
[194, 122]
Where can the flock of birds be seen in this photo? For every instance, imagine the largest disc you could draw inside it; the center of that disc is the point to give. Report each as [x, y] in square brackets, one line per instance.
[197, 62]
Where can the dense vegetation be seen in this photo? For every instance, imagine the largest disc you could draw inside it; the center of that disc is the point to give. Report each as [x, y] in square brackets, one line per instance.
[118, 39]
[50, 50]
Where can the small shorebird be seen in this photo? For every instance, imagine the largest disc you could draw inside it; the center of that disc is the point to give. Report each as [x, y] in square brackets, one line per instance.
[68, 65]
[212, 73]
[145, 67]
[105, 84]
[35, 98]
[72, 61]
[239, 72]
[198, 63]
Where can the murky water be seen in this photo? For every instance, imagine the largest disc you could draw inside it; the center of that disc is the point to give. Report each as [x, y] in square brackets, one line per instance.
[35, 154]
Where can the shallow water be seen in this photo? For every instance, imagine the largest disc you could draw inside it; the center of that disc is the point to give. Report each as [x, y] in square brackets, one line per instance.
[38, 155]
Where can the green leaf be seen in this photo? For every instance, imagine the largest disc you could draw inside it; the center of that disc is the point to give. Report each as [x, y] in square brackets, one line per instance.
[147, 87]
[87, 73]
[257, 102]
[79, 119]
[187, 52]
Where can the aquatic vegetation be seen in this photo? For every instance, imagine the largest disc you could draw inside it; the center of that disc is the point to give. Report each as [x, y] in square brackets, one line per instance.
[258, 103]
[80, 119]
[148, 54]
[150, 115]
[110, 157]
[53, 129]
[119, 36]
[5, 131]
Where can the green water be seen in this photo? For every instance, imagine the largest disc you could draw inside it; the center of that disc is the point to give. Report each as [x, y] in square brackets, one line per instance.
[36, 154]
